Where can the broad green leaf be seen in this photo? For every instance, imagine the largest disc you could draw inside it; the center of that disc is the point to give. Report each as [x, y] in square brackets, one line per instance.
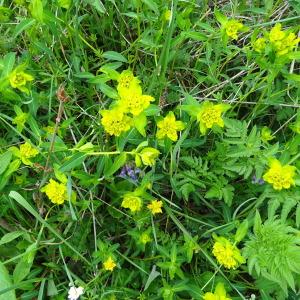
[117, 164]
[73, 161]
[23, 267]
[8, 62]
[5, 283]
[140, 123]
[220, 17]
[241, 231]
[5, 159]
[108, 91]
[37, 10]
[152, 5]
[97, 4]
[112, 55]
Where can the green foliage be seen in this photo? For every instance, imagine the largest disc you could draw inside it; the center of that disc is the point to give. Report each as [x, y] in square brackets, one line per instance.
[273, 252]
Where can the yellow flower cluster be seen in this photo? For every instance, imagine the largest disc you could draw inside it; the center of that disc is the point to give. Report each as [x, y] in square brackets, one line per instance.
[109, 264]
[168, 127]
[227, 253]
[56, 192]
[115, 121]
[133, 202]
[18, 80]
[148, 156]
[281, 177]
[219, 294]
[283, 42]
[131, 103]
[145, 238]
[26, 152]
[155, 207]
[210, 114]
[232, 27]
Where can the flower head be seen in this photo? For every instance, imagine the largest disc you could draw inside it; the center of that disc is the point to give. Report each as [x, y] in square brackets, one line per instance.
[155, 207]
[145, 238]
[18, 80]
[126, 82]
[20, 120]
[227, 254]
[266, 134]
[56, 192]
[282, 41]
[74, 292]
[281, 177]
[115, 121]
[134, 102]
[148, 156]
[219, 294]
[259, 45]
[276, 34]
[169, 127]
[109, 264]
[232, 27]
[133, 202]
[26, 152]
[211, 114]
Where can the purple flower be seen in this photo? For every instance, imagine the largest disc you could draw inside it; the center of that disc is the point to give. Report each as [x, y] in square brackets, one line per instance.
[129, 172]
[256, 180]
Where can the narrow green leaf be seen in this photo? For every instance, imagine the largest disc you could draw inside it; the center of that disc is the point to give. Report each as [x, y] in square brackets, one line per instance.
[5, 159]
[5, 283]
[112, 55]
[74, 161]
[10, 237]
[8, 62]
[22, 26]
[118, 163]
[140, 123]
[16, 196]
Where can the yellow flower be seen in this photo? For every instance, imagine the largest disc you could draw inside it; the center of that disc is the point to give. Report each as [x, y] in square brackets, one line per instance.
[127, 81]
[167, 15]
[281, 177]
[109, 264]
[115, 121]
[227, 254]
[266, 134]
[134, 102]
[18, 80]
[282, 41]
[145, 238]
[134, 203]
[219, 294]
[232, 27]
[26, 152]
[169, 127]
[259, 45]
[20, 120]
[210, 114]
[155, 207]
[148, 156]
[56, 192]
[276, 34]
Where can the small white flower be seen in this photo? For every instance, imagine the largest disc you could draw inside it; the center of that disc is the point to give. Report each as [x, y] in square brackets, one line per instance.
[74, 292]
